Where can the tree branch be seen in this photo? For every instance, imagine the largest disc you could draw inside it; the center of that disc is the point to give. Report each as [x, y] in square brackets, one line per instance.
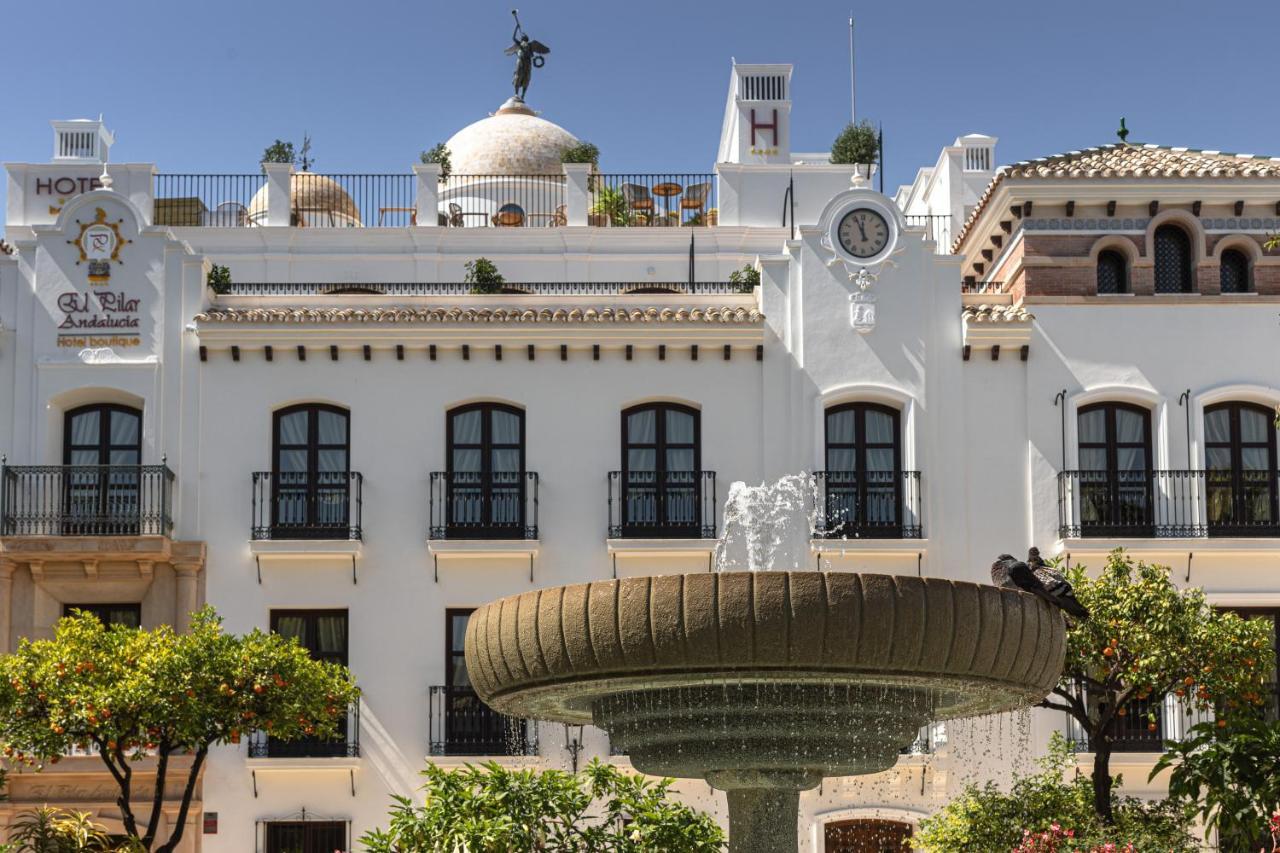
[125, 780]
[175, 837]
[1052, 706]
[157, 795]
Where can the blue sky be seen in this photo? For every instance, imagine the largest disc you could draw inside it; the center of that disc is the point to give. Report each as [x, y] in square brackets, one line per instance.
[206, 86]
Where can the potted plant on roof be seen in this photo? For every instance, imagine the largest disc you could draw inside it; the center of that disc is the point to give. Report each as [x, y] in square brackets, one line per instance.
[857, 145]
[483, 276]
[609, 207]
[439, 153]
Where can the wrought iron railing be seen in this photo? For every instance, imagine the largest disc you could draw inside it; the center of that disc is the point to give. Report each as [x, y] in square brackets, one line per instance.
[454, 288]
[937, 227]
[868, 505]
[503, 201]
[86, 500]
[671, 505]
[461, 724]
[307, 505]
[479, 505]
[1168, 503]
[1145, 727]
[221, 201]
[345, 745]
[667, 199]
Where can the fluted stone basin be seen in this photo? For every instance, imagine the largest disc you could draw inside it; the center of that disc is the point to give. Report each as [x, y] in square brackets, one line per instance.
[763, 683]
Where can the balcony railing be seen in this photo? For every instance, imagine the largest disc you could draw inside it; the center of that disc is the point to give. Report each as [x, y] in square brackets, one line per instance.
[86, 500]
[315, 200]
[868, 505]
[652, 199]
[503, 201]
[307, 505]
[453, 288]
[460, 724]
[971, 285]
[937, 227]
[1144, 504]
[672, 505]
[345, 745]
[477, 505]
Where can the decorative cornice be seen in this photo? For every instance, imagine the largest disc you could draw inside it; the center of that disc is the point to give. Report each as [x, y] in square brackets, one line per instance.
[725, 315]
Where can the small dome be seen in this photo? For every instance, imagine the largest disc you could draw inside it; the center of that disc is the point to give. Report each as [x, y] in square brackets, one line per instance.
[314, 200]
[512, 141]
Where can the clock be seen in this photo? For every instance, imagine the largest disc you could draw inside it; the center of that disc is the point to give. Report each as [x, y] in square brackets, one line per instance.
[863, 232]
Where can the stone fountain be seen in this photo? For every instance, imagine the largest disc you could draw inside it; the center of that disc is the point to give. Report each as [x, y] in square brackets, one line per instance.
[764, 682]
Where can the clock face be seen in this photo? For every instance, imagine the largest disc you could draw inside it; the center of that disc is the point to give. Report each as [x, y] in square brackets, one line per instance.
[863, 232]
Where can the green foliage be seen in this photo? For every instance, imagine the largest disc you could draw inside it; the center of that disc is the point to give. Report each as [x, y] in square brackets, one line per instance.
[857, 143]
[134, 693]
[219, 279]
[611, 204]
[746, 279]
[583, 152]
[279, 152]
[1229, 777]
[483, 276]
[50, 830]
[493, 809]
[439, 153]
[1145, 639]
[984, 818]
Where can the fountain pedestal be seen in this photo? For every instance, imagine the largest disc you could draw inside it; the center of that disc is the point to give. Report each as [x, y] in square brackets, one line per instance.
[763, 683]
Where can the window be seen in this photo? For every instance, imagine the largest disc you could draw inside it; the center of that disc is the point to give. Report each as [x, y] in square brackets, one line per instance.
[307, 836]
[1173, 260]
[323, 633]
[1240, 469]
[1115, 469]
[128, 615]
[470, 726]
[1270, 615]
[661, 464]
[1234, 272]
[486, 478]
[866, 836]
[311, 472]
[1113, 274]
[102, 445]
[863, 477]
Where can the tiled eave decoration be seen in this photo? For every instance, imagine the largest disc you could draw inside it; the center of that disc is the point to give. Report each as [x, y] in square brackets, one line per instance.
[512, 316]
[997, 328]
[1125, 162]
[1138, 225]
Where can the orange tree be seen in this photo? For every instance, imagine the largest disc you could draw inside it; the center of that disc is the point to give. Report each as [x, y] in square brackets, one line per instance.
[134, 694]
[1145, 639]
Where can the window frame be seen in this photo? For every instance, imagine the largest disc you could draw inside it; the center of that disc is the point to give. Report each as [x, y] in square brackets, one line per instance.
[860, 526]
[1112, 255]
[101, 609]
[1235, 445]
[1187, 263]
[487, 527]
[1246, 271]
[312, 489]
[1112, 482]
[662, 484]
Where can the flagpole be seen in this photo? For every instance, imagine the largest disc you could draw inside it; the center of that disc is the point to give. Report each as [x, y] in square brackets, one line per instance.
[853, 85]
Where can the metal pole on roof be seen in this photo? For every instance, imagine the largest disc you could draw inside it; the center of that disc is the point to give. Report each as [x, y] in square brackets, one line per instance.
[853, 85]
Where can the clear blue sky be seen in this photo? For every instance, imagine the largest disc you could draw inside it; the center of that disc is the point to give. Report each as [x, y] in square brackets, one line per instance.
[206, 86]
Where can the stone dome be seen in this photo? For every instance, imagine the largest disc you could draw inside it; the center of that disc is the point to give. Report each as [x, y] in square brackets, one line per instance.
[314, 200]
[512, 141]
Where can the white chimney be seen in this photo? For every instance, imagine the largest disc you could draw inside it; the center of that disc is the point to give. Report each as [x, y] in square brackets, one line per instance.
[757, 117]
[81, 140]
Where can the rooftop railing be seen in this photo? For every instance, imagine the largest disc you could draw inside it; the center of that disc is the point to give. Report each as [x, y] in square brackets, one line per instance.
[86, 500]
[453, 288]
[937, 227]
[503, 201]
[217, 201]
[652, 200]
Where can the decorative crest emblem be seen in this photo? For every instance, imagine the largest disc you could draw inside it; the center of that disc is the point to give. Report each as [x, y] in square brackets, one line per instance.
[99, 243]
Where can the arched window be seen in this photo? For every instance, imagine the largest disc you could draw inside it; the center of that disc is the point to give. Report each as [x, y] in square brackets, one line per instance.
[311, 473]
[1173, 260]
[486, 476]
[1115, 470]
[661, 494]
[863, 480]
[1240, 469]
[1113, 274]
[1234, 272]
[102, 447]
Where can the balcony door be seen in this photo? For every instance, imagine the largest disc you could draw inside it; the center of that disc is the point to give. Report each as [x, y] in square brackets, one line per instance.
[102, 452]
[323, 633]
[470, 726]
[863, 480]
[486, 476]
[661, 461]
[311, 478]
[1240, 470]
[1115, 470]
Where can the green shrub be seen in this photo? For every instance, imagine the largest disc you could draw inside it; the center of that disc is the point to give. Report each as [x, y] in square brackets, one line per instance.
[219, 279]
[583, 152]
[483, 276]
[279, 152]
[746, 279]
[857, 143]
[439, 153]
[611, 204]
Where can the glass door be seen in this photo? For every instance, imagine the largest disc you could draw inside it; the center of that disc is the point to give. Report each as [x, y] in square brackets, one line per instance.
[323, 633]
[486, 477]
[1240, 470]
[311, 473]
[662, 460]
[102, 449]
[863, 479]
[1116, 479]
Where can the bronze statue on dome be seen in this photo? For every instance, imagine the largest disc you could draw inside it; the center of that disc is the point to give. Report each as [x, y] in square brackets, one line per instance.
[528, 53]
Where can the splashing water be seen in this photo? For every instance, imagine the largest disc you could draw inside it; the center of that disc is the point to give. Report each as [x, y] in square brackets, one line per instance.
[768, 527]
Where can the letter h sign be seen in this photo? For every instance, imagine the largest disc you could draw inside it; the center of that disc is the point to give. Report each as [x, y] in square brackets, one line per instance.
[760, 125]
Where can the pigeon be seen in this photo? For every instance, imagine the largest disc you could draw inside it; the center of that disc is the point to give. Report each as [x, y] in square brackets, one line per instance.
[1038, 579]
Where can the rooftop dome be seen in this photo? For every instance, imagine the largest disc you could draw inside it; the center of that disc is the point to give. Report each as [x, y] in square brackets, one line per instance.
[314, 200]
[512, 141]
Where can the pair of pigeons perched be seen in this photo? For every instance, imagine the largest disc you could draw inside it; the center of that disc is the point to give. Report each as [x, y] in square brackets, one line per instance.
[1038, 578]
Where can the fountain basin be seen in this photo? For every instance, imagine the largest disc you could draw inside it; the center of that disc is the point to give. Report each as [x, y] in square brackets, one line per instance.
[764, 681]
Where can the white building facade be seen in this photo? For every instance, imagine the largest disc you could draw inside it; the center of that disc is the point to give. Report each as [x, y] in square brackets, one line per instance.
[347, 443]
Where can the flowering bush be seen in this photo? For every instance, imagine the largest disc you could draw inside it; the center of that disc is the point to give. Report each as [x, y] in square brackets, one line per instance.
[1055, 839]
